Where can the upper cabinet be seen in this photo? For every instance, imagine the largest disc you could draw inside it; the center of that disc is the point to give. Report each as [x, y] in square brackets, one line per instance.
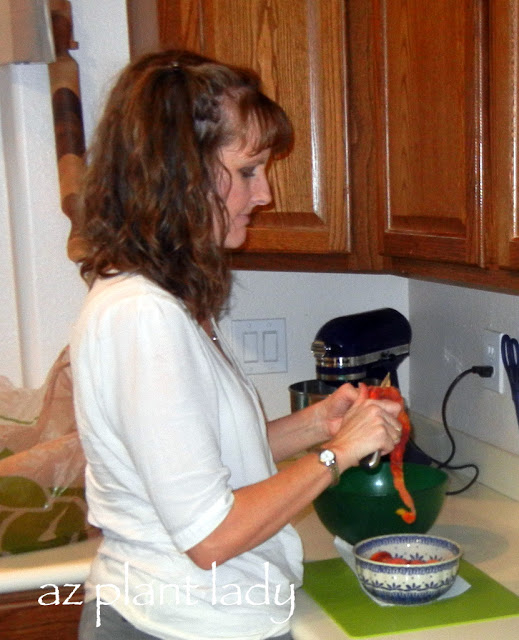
[504, 127]
[425, 65]
[437, 89]
[439, 110]
[299, 50]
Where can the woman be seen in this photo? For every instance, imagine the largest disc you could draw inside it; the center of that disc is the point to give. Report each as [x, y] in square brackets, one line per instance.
[181, 474]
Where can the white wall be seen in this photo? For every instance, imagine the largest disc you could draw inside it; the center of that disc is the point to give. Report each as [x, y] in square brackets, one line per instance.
[40, 290]
[307, 301]
[38, 280]
[448, 323]
[10, 342]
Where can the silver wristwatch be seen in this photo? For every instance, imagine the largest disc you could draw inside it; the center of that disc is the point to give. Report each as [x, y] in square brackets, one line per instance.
[327, 457]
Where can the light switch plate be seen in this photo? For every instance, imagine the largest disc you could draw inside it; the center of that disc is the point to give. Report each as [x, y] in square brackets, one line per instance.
[260, 345]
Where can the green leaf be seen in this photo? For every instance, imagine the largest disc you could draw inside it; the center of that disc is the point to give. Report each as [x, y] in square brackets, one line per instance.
[19, 492]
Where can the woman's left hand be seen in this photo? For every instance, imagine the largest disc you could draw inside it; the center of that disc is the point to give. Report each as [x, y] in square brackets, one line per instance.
[329, 413]
[312, 425]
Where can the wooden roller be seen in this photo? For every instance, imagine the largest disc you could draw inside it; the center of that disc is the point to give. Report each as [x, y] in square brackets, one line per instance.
[68, 121]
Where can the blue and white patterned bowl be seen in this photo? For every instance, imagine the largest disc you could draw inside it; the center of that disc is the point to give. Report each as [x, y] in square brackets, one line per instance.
[407, 583]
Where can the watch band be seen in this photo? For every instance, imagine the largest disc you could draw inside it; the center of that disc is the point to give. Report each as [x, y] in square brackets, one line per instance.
[327, 457]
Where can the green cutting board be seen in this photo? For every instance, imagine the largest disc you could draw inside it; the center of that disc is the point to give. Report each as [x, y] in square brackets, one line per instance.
[334, 586]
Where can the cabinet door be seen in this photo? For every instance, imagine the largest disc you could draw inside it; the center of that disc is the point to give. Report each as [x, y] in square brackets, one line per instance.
[423, 63]
[504, 73]
[298, 49]
[23, 616]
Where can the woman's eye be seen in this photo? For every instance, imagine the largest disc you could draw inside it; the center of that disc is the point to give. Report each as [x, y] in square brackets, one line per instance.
[247, 172]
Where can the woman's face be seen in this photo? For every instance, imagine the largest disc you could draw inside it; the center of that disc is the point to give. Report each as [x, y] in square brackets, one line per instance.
[242, 187]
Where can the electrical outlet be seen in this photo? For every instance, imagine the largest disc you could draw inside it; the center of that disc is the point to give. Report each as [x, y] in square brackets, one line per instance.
[492, 357]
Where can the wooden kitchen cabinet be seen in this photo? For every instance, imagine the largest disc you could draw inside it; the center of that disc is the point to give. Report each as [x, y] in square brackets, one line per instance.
[440, 84]
[504, 149]
[299, 50]
[22, 617]
[425, 64]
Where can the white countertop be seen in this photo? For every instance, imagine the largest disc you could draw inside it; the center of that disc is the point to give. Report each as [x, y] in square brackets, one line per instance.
[484, 522]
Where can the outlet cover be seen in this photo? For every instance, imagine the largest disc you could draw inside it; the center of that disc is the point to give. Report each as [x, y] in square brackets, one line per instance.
[492, 357]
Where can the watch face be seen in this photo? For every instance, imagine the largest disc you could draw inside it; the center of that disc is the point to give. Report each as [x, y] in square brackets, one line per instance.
[327, 456]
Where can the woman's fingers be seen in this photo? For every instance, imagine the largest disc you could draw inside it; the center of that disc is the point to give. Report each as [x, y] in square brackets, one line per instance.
[368, 426]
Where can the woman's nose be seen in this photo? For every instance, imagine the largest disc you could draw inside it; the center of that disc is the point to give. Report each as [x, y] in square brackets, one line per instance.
[262, 193]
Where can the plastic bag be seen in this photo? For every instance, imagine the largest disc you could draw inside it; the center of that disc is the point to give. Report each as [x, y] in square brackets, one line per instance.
[42, 497]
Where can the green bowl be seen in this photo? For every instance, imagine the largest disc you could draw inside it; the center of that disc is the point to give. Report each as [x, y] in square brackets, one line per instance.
[364, 502]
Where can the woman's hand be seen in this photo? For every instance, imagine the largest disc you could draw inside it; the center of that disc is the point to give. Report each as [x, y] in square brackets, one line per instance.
[310, 426]
[367, 426]
[322, 422]
[329, 413]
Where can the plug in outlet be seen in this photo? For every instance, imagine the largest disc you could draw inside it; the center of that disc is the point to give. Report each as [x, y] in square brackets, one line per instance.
[492, 358]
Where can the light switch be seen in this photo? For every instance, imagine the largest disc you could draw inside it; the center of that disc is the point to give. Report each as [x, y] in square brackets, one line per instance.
[250, 346]
[270, 346]
[260, 345]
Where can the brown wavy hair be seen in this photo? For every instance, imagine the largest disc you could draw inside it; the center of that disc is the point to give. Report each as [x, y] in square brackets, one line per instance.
[150, 192]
